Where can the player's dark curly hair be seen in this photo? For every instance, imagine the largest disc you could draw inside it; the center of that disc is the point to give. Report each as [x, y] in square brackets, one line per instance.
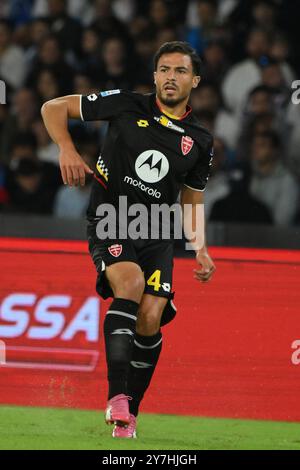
[183, 48]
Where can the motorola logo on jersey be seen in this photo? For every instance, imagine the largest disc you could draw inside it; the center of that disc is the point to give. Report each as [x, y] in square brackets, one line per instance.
[151, 166]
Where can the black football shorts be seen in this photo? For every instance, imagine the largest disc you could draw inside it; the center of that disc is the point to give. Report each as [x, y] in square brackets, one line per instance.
[155, 257]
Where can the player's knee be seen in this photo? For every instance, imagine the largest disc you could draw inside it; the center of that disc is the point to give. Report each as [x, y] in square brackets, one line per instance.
[134, 285]
[148, 321]
[130, 287]
[126, 280]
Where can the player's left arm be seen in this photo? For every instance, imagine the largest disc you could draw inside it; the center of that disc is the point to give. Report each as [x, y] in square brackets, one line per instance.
[192, 202]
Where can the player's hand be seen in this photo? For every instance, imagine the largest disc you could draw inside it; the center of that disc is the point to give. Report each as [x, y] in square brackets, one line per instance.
[73, 168]
[207, 266]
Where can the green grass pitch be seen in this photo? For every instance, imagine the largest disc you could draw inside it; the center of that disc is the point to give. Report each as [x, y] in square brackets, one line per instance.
[44, 428]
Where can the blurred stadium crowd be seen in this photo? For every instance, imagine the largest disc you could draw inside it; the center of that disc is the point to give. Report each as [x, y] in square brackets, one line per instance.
[49, 48]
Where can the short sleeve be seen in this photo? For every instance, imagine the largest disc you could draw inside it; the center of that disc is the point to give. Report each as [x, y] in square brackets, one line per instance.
[198, 176]
[104, 106]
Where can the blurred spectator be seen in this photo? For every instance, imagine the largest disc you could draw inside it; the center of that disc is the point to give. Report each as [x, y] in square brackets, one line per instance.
[19, 11]
[80, 9]
[27, 192]
[47, 86]
[239, 205]
[271, 182]
[47, 150]
[72, 202]
[138, 26]
[264, 14]
[50, 57]
[218, 185]
[226, 8]
[248, 15]
[280, 48]
[159, 15]
[278, 77]
[83, 85]
[39, 29]
[207, 120]
[66, 29]
[124, 9]
[91, 53]
[260, 101]
[12, 61]
[223, 9]
[23, 113]
[199, 35]
[105, 21]
[4, 9]
[247, 74]
[145, 46]
[31, 184]
[26, 146]
[117, 70]
[177, 9]
[244, 76]
[215, 62]
[207, 99]
[261, 114]
[166, 34]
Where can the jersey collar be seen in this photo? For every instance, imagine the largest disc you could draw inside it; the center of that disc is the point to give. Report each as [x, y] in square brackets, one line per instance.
[188, 111]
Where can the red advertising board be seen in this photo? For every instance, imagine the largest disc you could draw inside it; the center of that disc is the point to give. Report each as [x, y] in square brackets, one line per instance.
[233, 349]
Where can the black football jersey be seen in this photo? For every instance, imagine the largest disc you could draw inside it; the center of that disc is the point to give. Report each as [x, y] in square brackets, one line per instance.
[147, 155]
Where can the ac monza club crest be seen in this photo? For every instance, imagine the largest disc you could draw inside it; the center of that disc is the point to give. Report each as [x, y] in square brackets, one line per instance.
[186, 144]
[115, 250]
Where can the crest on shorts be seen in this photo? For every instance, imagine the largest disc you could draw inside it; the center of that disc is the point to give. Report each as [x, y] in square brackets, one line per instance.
[115, 250]
[186, 144]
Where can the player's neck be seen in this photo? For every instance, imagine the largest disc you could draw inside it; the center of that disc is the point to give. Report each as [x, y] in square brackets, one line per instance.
[175, 112]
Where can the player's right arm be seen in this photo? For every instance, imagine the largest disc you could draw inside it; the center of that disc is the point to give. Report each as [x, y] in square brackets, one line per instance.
[55, 115]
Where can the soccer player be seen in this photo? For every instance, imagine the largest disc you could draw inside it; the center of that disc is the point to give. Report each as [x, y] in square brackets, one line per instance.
[154, 148]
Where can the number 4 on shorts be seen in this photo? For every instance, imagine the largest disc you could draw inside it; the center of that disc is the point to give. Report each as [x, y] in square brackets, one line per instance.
[154, 280]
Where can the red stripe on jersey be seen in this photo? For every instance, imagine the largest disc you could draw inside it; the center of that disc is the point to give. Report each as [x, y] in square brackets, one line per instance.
[188, 110]
[99, 181]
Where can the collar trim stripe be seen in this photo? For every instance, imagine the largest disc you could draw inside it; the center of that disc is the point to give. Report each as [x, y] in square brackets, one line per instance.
[188, 111]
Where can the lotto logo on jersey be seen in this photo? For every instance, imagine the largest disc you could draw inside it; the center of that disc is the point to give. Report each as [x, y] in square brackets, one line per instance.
[186, 144]
[92, 97]
[115, 250]
[142, 123]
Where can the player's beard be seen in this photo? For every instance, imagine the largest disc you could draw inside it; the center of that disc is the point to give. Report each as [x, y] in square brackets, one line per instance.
[171, 102]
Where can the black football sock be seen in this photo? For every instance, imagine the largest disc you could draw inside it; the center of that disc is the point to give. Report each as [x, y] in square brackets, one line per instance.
[145, 355]
[119, 330]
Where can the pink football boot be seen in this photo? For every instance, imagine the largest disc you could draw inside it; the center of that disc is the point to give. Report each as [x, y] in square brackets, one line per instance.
[126, 432]
[117, 410]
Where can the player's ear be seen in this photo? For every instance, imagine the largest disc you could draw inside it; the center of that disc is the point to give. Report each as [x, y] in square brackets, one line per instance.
[196, 80]
[154, 77]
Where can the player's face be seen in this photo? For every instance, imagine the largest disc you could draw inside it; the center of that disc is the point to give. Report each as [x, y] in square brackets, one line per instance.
[174, 78]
